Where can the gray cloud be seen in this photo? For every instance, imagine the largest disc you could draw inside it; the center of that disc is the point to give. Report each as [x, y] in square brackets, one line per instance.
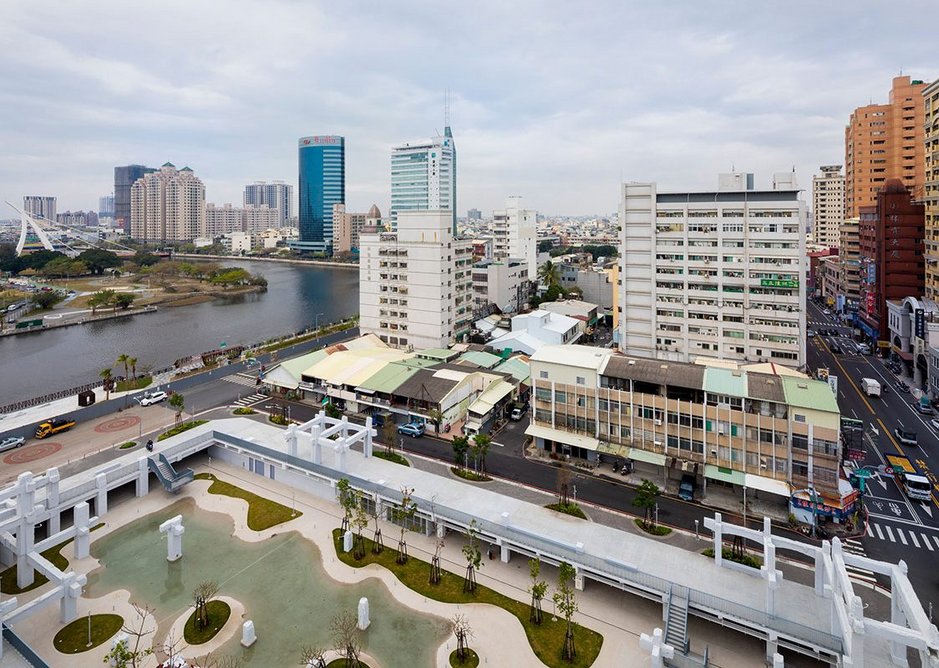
[555, 101]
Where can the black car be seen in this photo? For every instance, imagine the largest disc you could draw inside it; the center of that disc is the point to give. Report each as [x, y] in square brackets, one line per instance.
[903, 387]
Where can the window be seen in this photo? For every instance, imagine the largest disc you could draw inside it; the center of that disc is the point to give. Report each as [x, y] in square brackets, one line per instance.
[542, 374]
[799, 418]
[581, 380]
[560, 397]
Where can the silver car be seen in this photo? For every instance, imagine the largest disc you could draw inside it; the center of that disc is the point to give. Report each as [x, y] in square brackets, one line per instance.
[11, 442]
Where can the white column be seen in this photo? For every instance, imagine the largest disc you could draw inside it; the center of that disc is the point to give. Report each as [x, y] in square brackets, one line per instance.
[174, 530]
[82, 518]
[25, 541]
[658, 650]
[717, 529]
[71, 591]
[290, 437]
[340, 451]
[578, 579]
[101, 500]
[315, 429]
[505, 553]
[52, 500]
[367, 443]
[143, 477]
[898, 617]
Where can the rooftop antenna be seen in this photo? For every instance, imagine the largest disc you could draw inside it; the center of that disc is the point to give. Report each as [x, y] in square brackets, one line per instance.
[446, 108]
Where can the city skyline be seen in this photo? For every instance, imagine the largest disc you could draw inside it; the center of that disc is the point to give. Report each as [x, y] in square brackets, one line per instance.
[560, 117]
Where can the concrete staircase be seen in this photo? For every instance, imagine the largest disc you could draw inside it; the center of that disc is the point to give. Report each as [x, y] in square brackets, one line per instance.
[676, 619]
[172, 479]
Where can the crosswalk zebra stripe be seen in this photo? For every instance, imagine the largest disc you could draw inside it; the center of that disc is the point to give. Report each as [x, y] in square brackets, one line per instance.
[890, 533]
[913, 538]
[879, 533]
[902, 537]
[936, 538]
[868, 531]
[926, 542]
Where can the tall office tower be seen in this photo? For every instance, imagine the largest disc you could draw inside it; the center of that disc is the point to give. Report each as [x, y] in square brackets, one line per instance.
[931, 190]
[275, 195]
[322, 184]
[124, 178]
[39, 206]
[514, 235]
[827, 205]
[423, 177]
[415, 284]
[885, 141]
[715, 273]
[106, 206]
[168, 205]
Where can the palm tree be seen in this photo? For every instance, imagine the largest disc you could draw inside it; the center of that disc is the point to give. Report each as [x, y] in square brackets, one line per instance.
[549, 274]
[133, 366]
[106, 374]
[123, 358]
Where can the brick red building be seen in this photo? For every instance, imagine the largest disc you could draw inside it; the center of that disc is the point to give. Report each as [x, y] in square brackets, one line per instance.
[892, 261]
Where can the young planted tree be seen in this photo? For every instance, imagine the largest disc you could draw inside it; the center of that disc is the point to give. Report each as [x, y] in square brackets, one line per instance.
[132, 653]
[360, 520]
[402, 514]
[460, 627]
[201, 596]
[436, 416]
[567, 605]
[563, 485]
[347, 501]
[460, 448]
[312, 657]
[647, 495]
[538, 590]
[178, 403]
[436, 573]
[388, 433]
[473, 556]
[345, 633]
[378, 544]
[481, 443]
[108, 384]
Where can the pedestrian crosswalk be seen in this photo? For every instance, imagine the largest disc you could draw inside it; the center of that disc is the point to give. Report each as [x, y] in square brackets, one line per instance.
[861, 575]
[238, 379]
[247, 401]
[921, 540]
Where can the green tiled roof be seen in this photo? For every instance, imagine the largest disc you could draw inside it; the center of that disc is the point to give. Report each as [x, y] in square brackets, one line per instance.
[441, 354]
[807, 393]
[725, 381]
[479, 358]
[520, 369]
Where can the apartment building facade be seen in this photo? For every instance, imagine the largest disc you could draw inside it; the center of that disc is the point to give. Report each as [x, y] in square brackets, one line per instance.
[713, 274]
[514, 234]
[760, 426]
[276, 195]
[415, 283]
[827, 206]
[931, 188]
[348, 225]
[504, 285]
[167, 205]
[885, 141]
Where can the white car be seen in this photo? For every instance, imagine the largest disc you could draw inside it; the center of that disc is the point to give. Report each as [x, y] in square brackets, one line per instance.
[153, 398]
[11, 442]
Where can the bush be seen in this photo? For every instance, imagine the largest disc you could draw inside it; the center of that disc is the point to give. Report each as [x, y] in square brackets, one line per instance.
[653, 529]
[180, 428]
[127, 446]
[568, 509]
[73, 638]
[469, 475]
[243, 410]
[279, 419]
[728, 554]
[392, 457]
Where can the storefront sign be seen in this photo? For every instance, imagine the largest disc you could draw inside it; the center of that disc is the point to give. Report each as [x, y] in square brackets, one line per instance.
[920, 323]
[778, 283]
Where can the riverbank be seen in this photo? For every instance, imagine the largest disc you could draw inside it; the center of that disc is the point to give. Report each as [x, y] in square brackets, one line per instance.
[280, 260]
[56, 324]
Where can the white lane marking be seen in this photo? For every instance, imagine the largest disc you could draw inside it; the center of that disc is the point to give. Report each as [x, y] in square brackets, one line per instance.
[936, 538]
[880, 534]
[902, 537]
[890, 533]
[868, 530]
[913, 537]
[926, 542]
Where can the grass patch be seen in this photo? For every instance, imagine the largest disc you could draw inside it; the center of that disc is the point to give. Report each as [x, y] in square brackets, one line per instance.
[546, 639]
[242, 410]
[279, 419]
[262, 513]
[180, 428]
[341, 663]
[73, 638]
[54, 555]
[134, 384]
[392, 457]
[727, 553]
[652, 529]
[470, 659]
[323, 331]
[127, 446]
[218, 613]
[469, 475]
[568, 509]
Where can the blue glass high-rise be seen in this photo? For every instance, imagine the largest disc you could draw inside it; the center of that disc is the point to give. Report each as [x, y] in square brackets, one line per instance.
[322, 160]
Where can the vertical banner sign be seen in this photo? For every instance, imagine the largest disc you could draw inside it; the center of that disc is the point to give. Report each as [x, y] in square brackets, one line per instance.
[920, 323]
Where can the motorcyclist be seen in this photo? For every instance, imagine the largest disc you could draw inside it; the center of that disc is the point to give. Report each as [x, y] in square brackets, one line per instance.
[150, 445]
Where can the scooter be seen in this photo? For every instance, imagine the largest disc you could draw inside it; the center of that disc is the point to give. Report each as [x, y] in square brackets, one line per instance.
[150, 446]
[615, 467]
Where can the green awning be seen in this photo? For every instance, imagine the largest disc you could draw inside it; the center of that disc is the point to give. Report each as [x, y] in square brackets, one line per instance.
[647, 457]
[725, 474]
[325, 401]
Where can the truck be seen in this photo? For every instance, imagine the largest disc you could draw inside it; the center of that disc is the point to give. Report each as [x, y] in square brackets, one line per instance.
[914, 483]
[871, 387]
[54, 426]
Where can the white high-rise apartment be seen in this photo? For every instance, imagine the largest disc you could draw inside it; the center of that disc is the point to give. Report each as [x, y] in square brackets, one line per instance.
[415, 284]
[38, 206]
[715, 273]
[514, 235]
[423, 177]
[251, 219]
[167, 205]
[275, 195]
[828, 206]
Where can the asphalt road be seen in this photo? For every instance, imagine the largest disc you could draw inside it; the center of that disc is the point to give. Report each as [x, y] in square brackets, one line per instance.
[899, 528]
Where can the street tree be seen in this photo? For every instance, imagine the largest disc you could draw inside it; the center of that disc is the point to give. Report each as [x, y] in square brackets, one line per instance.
[564, 599]
[473, 556]
[538, 590]
[97, 260]
[549, 274]
[360, 520]
[402, 514]
[347, 501]
[123, 300]
[436, 416]
[460, 627]
[378, 545]
[47, 299]
[563, 485]
[388, 434]
[345, 634]
[460, 448]
[481, 444]
[201, 596]
[436, 573]
[647, 495]
[101, 299]
[133, 652]
[178, 403]
[108, 384]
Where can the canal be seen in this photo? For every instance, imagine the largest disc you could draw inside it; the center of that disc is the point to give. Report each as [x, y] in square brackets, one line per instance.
[43, 362]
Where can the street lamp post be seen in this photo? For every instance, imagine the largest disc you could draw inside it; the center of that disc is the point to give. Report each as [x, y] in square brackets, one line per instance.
[316, 322]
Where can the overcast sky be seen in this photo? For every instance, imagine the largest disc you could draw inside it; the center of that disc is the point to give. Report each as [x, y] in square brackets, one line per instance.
[554, 101]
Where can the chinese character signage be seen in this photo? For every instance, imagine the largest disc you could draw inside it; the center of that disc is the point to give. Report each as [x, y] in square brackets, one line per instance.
[920, 323]
[778, 283]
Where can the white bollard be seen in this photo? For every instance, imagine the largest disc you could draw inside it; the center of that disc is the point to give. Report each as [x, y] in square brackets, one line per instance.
[347, 541]
[248, 636]
[363, 614]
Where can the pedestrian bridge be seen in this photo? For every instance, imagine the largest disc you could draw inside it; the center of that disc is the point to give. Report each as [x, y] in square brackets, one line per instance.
[825, 620]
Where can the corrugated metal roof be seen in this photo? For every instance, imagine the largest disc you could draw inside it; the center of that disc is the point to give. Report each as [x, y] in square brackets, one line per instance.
[808, 393]
[496, 391]
[725, 381]
[389, 378]
[441, 354]
[765, 386]
[517, 366]
[353, 367]
[426, 385]
[678, 374]
[482, 359]
[297, 365]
